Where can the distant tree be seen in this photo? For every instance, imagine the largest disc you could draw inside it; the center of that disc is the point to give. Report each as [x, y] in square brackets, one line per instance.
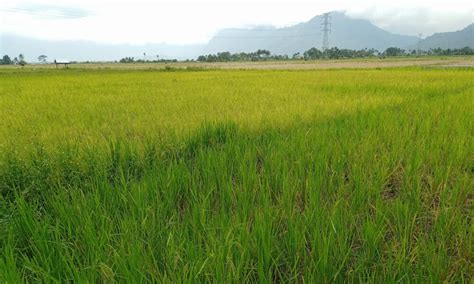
[224, 56]
[312, 53]
[127, 60]
[42, 58]
[6, 60]
[394, 51]
[334, 53]
[466, 51]
[263, 53]
[21, 60]
[15, 61]
[296, 55]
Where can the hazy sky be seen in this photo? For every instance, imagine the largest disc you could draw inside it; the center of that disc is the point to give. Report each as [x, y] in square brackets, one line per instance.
[183, 22]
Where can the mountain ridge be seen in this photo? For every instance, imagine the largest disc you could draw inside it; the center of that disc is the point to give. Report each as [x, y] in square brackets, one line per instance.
[456, 39]
[346, 32]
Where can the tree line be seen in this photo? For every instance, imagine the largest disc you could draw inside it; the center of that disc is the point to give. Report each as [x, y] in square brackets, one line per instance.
[158, 60]
[20, 60]
[331, 53]
[265, 55]
[6, 60]
[461, 51]
[259, 55]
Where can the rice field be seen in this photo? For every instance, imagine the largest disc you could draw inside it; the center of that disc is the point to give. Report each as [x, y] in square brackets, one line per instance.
[230, 176]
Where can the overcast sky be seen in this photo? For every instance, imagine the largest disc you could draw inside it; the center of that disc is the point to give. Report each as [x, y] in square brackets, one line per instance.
[185, 22]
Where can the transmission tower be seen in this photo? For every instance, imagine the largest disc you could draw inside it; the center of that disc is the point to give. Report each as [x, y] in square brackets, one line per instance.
[326, 29]
[418, 52]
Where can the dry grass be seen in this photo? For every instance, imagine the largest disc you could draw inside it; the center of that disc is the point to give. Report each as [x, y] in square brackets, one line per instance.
[455, 61]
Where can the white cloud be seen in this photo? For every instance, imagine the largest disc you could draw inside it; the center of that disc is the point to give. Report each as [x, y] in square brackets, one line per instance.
[196, 21]
[417, 19]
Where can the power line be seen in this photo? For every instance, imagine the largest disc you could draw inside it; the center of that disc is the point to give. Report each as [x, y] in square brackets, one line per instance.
[418, 52]
[269, 29]
[263, 37]
[44, 11]
[40, 13]
[326, 29]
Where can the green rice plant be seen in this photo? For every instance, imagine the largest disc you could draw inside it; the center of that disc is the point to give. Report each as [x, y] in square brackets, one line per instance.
[236, 176]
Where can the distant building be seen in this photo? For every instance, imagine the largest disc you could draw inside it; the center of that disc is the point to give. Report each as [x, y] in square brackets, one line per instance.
[62, 62]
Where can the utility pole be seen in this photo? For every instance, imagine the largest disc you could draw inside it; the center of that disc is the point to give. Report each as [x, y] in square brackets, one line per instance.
[326, 29]
[418, 52]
